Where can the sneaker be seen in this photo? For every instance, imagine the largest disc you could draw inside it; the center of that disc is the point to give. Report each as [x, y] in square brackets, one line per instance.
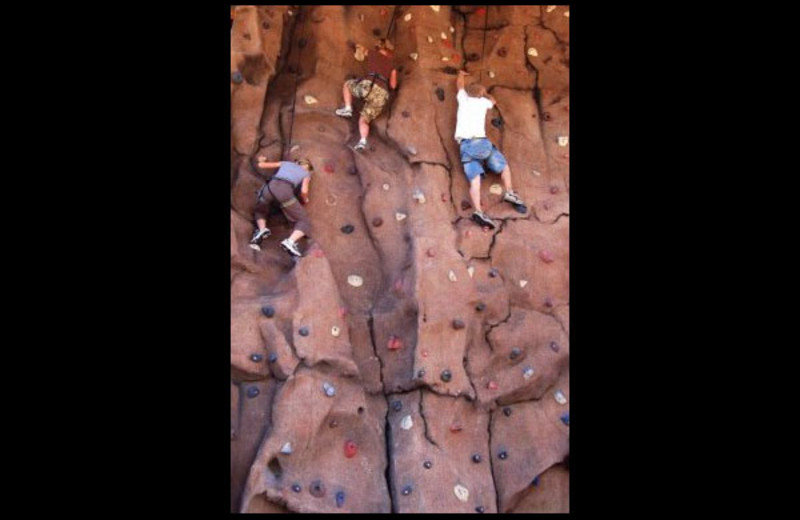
[512, 197]
[258, 236]
[290, 247]
[362, 145]
[344, 112]
[483, 220]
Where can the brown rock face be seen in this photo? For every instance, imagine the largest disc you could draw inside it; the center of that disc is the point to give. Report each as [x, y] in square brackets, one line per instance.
[410, 360]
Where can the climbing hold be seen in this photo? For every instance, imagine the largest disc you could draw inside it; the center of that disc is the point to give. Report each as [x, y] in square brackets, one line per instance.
[492, 385]
[563, 140]
[551, 8]
[452, 29]
[412, 151]
[348, 229]
[400, 216]
[414, 56]
[328, 168]
[465, 205]
[265, 25]
[537, 173]
[430, 39]
[435, 8]
[560, 397]
[376, 31]
[548, 302]
[445, 58]
[507, 411]
[361, 17]
[256, 358]
[302, 42]
[523, 283]
[335, 331]
[340, 499]
[431, 252]
[493, 272]
[427, 464]
[452, 276]
[296, 488]
[317, 489]
[480, 307]
[455, 428]
[310, 100]
[407, 490]
[385, 187]
[273, 357]
[268, 311]
[294, 148]
[554, 346]
[420, 373]
[440, 93]
[458, 324]
[476, 458]
[361, 52]
[545, 256]
[497, 122]
[491, 74]
[355, 280]
[480, 11]
[397, 405]
[330, 391]
[333, 423]
[546, 116]
[350, 449]
[535, 481]
[565, 418]
[236, 77]
[553, 190]
[566, 13]
[515, 353]
[532, 52]
[527, 372]
[405, 113]
[418, 196]
[424, 353]
[502, 52]
[303, 331]
[286, 449]
[480, 509]
[446, 376]
[406, 423]
[253, 391]
[443, 35]
[496, 189]
[450, 70]
[330, 200]
[461, 492]
[503, 455]
[317, 252]
[384, 12]
[395, 343]
[289, 12]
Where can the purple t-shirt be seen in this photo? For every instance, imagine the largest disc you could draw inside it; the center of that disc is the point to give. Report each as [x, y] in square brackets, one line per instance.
[292, 172]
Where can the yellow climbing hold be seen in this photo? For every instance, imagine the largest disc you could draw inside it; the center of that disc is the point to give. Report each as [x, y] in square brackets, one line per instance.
[496, 189]
[452, 276]
[563, 140]
[491, 74]
[310, 100]
[435, 8]
[461, 493]
[532, 52]
[407, 17]
[355, 280]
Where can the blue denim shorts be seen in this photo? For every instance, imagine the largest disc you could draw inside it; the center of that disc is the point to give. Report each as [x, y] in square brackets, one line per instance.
[475, 151]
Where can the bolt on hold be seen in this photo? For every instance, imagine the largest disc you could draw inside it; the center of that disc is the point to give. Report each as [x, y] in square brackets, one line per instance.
[273, 357]
[563, 140]
[310, 100]
[407, 422]
[407, 490]
[355, 280]
[507, 411]
[350, 449]
[480, 509]
[253, 392]
[328, 388]
[452, 276]
[560, 397]
[565, 419]
[515, 353]
[503, 455]
[446, 375]
[267, 311]
[418, 196]
[554, 346]
[395, 343]
[397, 406]
[296, 487]
[317, 489]
[476, 458]
[461, 492]
[340, 499]
[335, 331]
[480, 307]
[527, 373]
[458, 324]
[286, 449]
[256, 358]
[440, 93]
[427, 464]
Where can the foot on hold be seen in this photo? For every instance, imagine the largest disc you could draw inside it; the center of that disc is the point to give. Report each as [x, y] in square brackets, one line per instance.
[290, 247]
[513, 198]
[258, 236]
[361, 145]
[344, 112]
[483, 220]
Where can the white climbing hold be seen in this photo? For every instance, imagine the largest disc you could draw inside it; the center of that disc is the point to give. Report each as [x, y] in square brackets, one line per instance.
[419, 196]
[413, 151]
[355, 280]
[430, 39]
[445, 58]
[491, 74]
[294, 148]
[452, 29]
[452, 276]
[560, 398]
[400, 216]
[310, 100]
[335, 331]
[361, 52]
[566, 13]
[406, 423]
[532, 52]
[444, 36]
[537, 173]
[435, 8]
[528, 373]
[523, 283]
[287, 448]
[385, 187]
[471, 271]
[496, 189]
[407, 17]
[550, 8]
[413, 56]
[461, 492]
[563, 140]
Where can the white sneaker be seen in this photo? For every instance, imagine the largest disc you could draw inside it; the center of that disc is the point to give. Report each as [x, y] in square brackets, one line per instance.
[362, 145]
[344, 112]
[290, 247]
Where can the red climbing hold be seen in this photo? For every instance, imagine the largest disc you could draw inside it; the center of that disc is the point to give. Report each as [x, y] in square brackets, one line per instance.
[431, 252]
[424, 353]
[468, 233]
[350, 449]
[318, 253]
[455, 428]
[342, 312]
[383, 12]
[480, 11]
[398, 286]
[492, 385]
[328, 168]
[395, 343]
[546, 256]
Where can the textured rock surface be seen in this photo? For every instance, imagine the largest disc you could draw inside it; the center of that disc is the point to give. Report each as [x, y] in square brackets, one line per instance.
[490, 307]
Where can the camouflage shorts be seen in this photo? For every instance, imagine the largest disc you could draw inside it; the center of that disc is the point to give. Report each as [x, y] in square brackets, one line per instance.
[374, 103]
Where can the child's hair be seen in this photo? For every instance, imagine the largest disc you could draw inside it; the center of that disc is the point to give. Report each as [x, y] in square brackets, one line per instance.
[305, 162]
[474, 89]
[384, 43]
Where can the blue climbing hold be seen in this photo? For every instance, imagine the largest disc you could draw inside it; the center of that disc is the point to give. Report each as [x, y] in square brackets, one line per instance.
[236, 77]
[480, 509]
[407, 490]
[427, 464]
[535, 481]
[303, 331]
[273, 357]
[565, 418]
[397, 406]
[503, 455]
[256, 358]
[268, 311]
[507, 411]
[253, 392]
[296, 488]
[340, 499]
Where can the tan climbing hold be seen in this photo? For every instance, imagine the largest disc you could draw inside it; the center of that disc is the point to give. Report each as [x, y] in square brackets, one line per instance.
[430, 39]
[550, 8]
[400, 216]
[407, 17]
[461, 493]
[496, 189]
[294, 148]
[533, 52]
[289, 12]
[523, 283]
[385, 187]
[452, 276]
[310, 100]
[560, 398]
[335, 331]
[435, 8]
[444, 36]
[566, 13]
[491, 74]
[361, 52]
[471, 271]
[537, 173]
[406, 423]
[419, 197]
[452, 29]
[563, 140]
[355, 280]
[413, 56]
[445, 58]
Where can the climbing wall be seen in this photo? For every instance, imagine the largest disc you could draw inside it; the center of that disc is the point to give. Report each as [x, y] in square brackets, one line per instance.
[410, 361]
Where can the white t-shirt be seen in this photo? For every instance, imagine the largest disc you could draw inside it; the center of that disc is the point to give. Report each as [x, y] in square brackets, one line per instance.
[471, 116]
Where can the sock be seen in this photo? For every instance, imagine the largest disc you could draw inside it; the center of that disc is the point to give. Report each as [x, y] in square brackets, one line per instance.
[363, 140]
[348, 107]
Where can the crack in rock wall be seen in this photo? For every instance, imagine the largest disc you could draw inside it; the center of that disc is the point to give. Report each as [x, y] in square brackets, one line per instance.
[441, 383]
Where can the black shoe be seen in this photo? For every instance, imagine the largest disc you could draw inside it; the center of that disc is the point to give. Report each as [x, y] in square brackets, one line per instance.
[483, 220]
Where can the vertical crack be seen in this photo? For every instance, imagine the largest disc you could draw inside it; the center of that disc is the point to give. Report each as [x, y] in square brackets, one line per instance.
[491, 461]
[425, 421]
[389, 463]
[371, 325]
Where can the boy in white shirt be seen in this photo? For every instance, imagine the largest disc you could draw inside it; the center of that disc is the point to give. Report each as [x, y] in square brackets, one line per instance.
[473, 102]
